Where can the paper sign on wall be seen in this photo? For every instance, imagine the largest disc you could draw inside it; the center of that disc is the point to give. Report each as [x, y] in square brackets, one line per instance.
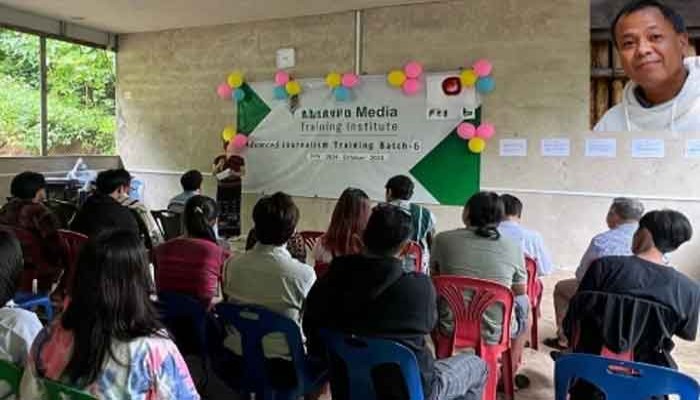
[601, 148]
[648, 148]
[692, 148]
[556, 147]
[513, 147]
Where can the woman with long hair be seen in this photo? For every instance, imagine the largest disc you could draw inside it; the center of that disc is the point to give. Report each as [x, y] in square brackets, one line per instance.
[229, 169]
[109, 341]
[348, 222]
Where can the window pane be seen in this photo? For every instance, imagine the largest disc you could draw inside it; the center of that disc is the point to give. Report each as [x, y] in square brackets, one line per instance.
[80, 103]
[20, 127]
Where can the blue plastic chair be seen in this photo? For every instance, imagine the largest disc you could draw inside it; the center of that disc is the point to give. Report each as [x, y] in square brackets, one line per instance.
[174, 309]
[361, 355]
[29, 301]
[622, 379]
[254, 323]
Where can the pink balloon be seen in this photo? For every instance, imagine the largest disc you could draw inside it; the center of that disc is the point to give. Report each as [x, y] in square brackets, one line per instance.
[485, 130]
[482, 68]
[413, 69]
[224, 91]
[240, 141]
[412, 86]
[466, 131]
[281, 78]
[350, 80]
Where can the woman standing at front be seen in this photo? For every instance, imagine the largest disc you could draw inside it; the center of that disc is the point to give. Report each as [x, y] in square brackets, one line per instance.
[229, 169]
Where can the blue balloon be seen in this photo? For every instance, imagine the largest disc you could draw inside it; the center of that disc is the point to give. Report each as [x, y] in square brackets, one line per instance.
[239, 94]
[485, 85]
[342, 93]
[280, 93]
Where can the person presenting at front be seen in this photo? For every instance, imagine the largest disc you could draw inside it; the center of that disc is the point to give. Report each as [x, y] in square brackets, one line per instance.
[663, 93]
[229, 169]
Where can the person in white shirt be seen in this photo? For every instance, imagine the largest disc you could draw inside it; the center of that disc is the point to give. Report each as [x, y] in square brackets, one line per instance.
[18, 327]
[530, 241]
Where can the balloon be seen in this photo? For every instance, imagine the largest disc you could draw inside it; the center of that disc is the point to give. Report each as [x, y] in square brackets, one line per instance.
[224, 91]
[228, 133]
[333, 80]
[413, 69]
[293, 88]
[476, 145]
[235, 79]
[485, 130]
[412, 86]
[482, 68]
[468, 77]
[281, 78]
[238, 94]
[342, 93]
[466, 131]
[396, 78]
[350, 80]
[279, 92]
[485, 85]
[240, 141]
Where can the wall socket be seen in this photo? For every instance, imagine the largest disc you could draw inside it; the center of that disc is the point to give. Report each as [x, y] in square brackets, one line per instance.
[285, 58]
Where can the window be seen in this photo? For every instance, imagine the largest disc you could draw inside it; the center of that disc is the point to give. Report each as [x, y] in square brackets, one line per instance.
[20, 95]
[80, 100]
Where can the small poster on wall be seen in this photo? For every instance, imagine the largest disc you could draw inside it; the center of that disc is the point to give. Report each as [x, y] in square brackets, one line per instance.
[448, 100]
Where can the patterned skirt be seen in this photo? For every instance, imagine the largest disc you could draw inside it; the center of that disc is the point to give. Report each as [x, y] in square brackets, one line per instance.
[229, 198]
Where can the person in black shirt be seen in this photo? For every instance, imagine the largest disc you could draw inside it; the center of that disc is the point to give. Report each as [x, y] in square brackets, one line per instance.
[645, 274]
[369, 294]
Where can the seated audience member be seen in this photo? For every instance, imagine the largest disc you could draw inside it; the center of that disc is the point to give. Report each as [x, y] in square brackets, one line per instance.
[147, 222]
[109, 341]
[18, 327]
[622, 220]
[370, 294]
[479, 251]
[344, 234]
[295, 244]
[191, 183]
[530, 241]
[268, 275]
[399, 191]
[101, 211]
[192, 264]
[26, 210]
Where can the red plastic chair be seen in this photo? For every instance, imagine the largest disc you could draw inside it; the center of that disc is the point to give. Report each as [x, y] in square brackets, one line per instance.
[310, 238]
[414, 250]
[72, 243]
[321, 269]
[467, 326]
[534, 293]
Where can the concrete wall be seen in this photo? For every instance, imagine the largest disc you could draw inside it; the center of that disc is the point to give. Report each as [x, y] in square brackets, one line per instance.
[170, 117]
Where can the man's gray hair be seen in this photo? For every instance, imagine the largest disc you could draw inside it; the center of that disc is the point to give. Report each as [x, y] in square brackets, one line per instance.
[627, 208]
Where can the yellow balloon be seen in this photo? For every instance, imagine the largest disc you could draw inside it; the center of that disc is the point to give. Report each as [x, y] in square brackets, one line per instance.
[468, 78]
[235, 79]
[396, 78]
[477, 145]
[228, 133]
[293, 88]
[333, 79]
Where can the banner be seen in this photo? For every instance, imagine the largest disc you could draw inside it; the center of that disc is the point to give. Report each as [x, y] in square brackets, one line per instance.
[313, 145]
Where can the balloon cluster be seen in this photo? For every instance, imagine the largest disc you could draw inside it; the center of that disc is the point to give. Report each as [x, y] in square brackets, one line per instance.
[232, 88]
[408, 78]
[235, 140]
[479, 76]
[341, 84]
[285, 86]
[476, 136]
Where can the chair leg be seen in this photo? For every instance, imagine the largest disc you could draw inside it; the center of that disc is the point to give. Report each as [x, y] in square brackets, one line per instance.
[534, 331]
[508, 375]
[492, 378]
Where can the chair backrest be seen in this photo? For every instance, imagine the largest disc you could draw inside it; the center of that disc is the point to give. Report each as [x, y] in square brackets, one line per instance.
[468, 315]
[169, 223]
[59, 391]
[622, 379]
[534, 288]
[72, 244]
[34, 260]
[310, 238]
[415, 252]
[10, 377]
[186, 318]
[361, 355]
[253, 323]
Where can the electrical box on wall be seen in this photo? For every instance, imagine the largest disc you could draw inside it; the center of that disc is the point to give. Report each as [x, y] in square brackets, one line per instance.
[285, 58]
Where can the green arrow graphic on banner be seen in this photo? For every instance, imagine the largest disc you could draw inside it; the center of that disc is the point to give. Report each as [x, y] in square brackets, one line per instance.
[250, 111]
[450, 172]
